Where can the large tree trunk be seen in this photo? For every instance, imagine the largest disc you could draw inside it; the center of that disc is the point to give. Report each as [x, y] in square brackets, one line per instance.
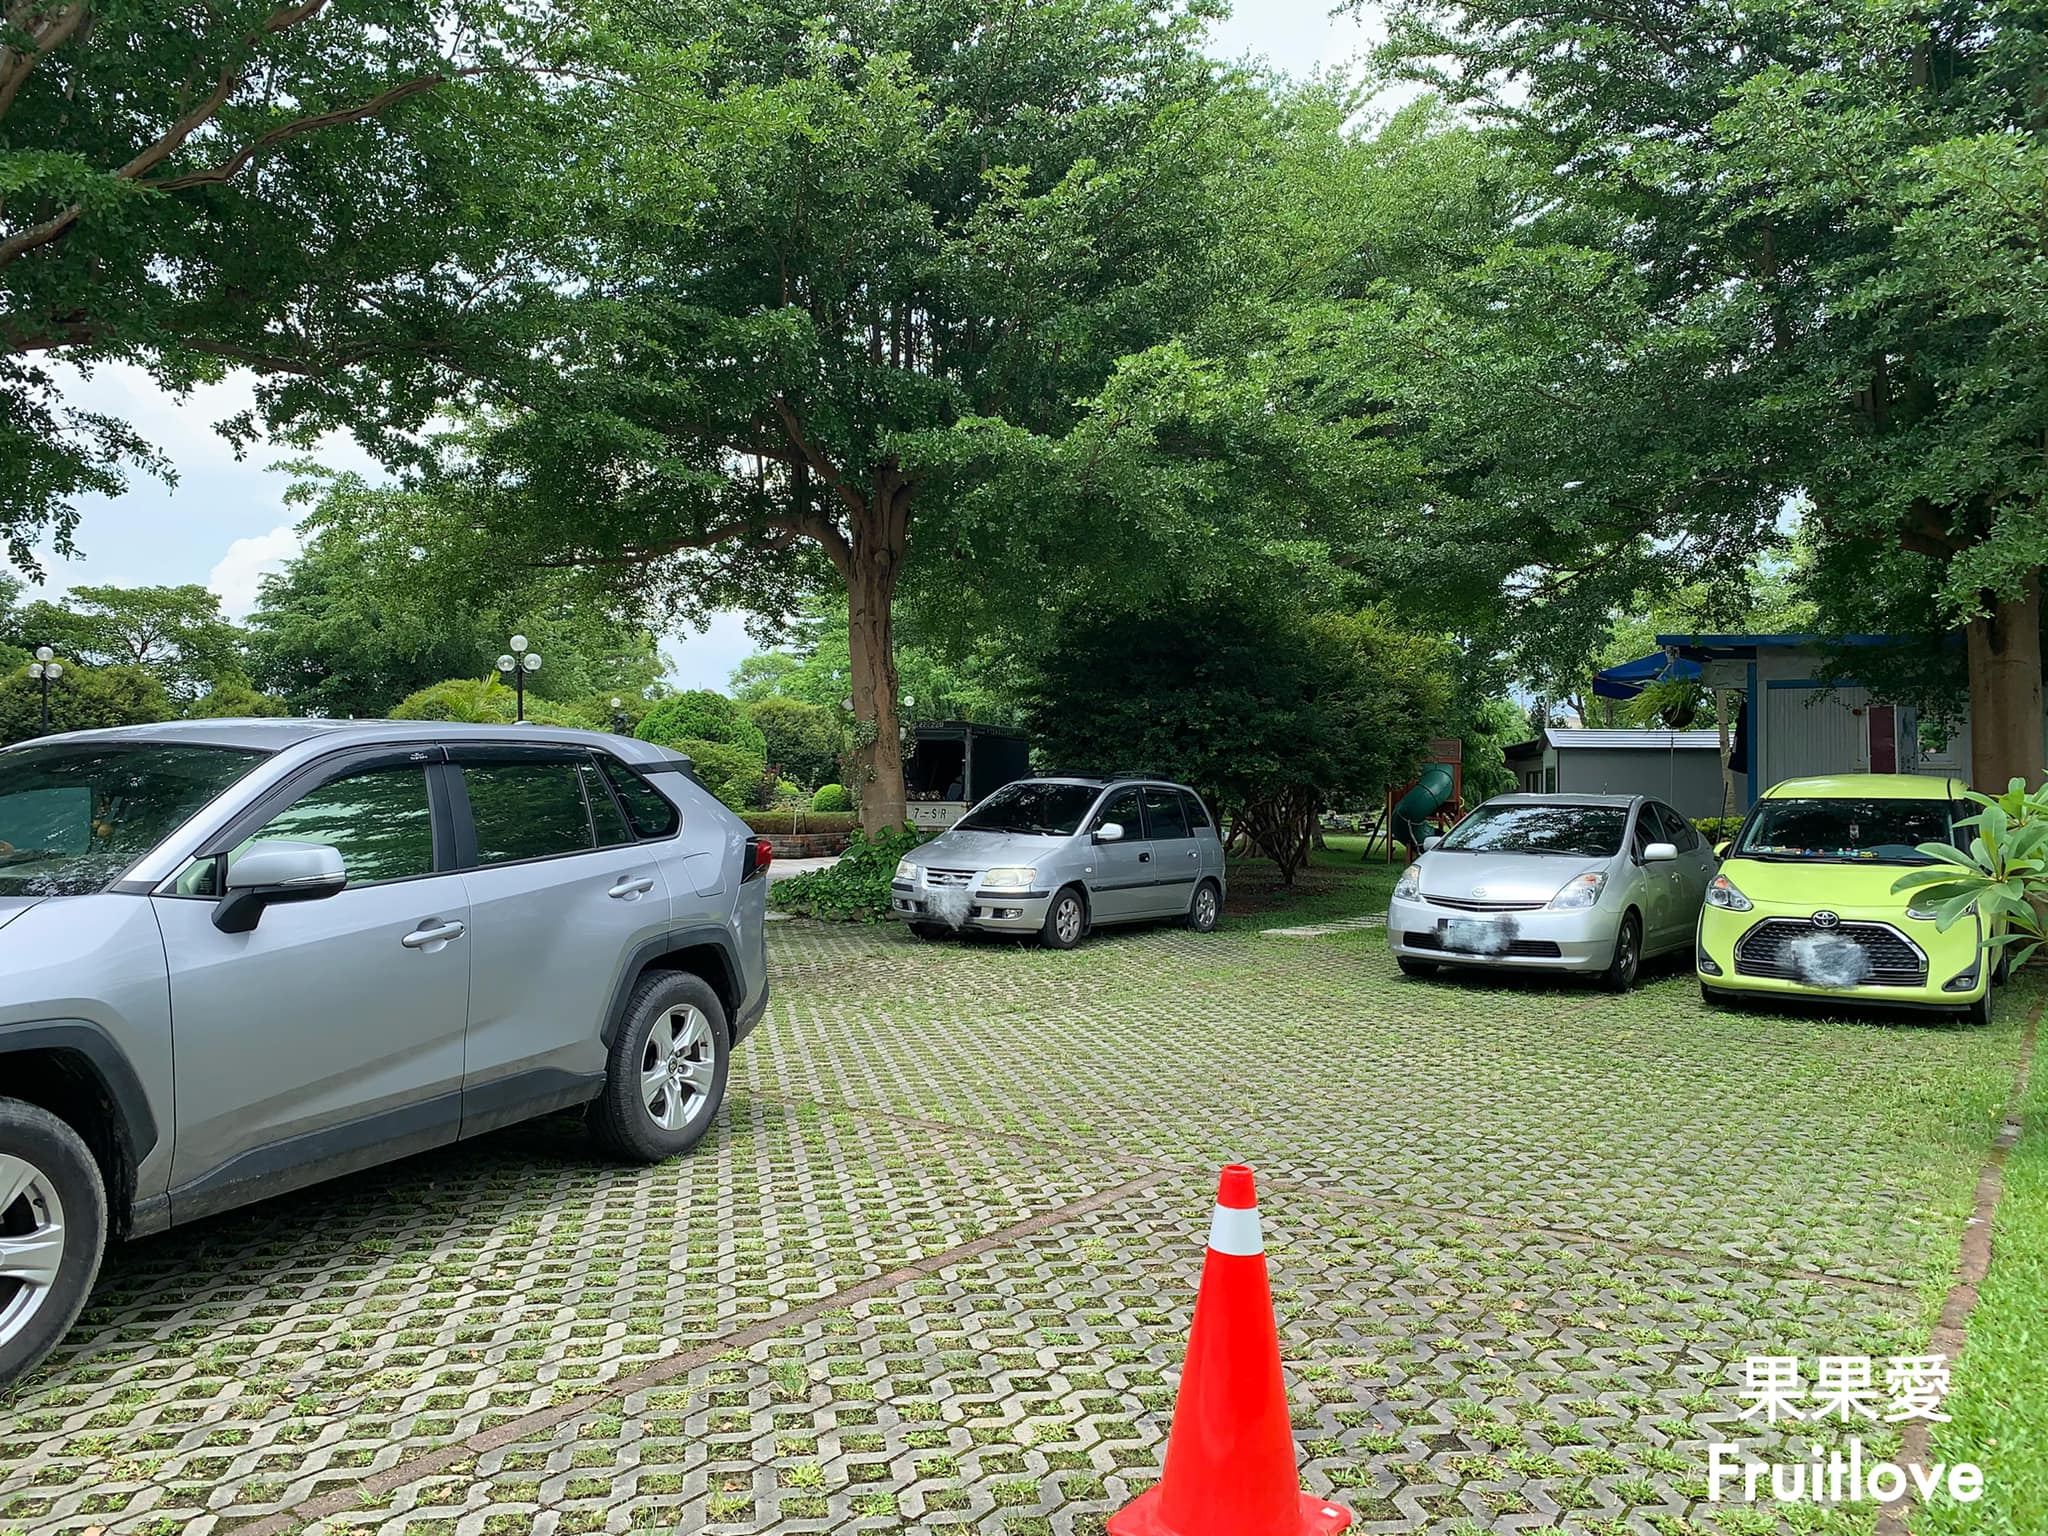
[2005, 692]
[875, 564]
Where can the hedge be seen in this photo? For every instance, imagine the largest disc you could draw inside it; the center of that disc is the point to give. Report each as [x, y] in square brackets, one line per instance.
[773, 823]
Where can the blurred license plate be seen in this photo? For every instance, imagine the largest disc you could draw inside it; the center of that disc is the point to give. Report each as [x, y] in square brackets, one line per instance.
[1476, 935]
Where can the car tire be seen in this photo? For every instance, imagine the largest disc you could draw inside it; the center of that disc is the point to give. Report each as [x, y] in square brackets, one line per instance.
[1978, 1014]
[51, 1194]
[1066, 920]
[1416, 968]
[2001, 973]
[1627, 963]
[1715, 997]
[1204, 908]
[666, 1076]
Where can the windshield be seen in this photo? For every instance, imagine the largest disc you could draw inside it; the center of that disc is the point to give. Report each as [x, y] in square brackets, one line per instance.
[1593, 830]
[1846, 831]
[1034, 806]
[73, 817]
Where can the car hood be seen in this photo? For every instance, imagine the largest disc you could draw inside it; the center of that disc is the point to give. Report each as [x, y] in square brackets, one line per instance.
[12, 907]
[1811, 885]
[982, 850]
[1501, 877]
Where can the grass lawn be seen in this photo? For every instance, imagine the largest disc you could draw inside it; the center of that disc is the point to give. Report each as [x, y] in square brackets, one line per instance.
[1999, 1406]
[1339, 882]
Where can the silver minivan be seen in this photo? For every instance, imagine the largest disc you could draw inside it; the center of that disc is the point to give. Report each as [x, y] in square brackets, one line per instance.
[1057, 857]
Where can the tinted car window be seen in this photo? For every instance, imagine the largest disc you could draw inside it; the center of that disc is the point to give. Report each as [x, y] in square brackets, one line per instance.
[1594, 830]
[72, 818]
[1165, 817]
[648, 808]
[1198, 813]
[526, 810]
[1678, 832]
[1032, 806]
[1121, 808]
[1845, 831]
[605, 815]
[378, 820]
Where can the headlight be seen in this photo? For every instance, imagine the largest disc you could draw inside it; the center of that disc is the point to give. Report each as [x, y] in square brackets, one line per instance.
[1926, 913]
[1016, 878]
[1721, 893]
[905, 870]
[1409, 886]
[1580, 891]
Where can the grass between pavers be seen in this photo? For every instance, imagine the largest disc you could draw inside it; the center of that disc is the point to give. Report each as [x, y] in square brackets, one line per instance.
[1338, 882]
[1999, 1406]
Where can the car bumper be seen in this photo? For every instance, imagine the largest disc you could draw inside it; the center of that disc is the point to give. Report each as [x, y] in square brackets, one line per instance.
[1536, 941]
[995, 911]
[1957, 972]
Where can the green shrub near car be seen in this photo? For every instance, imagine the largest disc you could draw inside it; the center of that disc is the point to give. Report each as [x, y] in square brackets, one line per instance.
[832, 797]
[856, 889]
[701, 715]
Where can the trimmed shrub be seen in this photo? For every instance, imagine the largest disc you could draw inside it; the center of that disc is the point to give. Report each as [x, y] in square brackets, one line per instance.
[474, 701]
[856, 889]
[1716, 829]
[729, 772]
[701, 715]
[83, 699]
[832, 798]
[773, 823]
[235, 700]
[804, 740]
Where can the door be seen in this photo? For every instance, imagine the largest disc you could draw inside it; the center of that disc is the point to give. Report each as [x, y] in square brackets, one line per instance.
[1176, 856]
[560, 895]
[330, 1034]
[1120, 873]
[1208, 846]
[1666, 884]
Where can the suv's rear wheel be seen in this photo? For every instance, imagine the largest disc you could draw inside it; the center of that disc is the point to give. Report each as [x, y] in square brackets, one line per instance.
[53, 1227]
[1066, 920]
[667, 1073]
[1205, 908]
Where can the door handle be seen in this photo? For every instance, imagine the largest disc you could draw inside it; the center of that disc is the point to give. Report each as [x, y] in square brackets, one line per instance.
[1144, 858]
[1194, 853]
[440, 933]
[626, 890]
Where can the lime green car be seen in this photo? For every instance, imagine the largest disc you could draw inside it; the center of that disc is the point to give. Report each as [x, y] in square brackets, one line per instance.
[1803, 905]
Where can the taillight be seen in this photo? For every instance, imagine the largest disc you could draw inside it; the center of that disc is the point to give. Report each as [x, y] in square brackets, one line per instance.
[760, 854]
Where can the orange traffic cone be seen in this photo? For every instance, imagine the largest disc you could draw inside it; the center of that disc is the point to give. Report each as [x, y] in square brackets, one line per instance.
[1230, 1455]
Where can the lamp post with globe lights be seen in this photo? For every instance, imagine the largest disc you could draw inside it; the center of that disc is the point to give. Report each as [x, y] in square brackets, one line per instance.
[46, 669]
[518, 663]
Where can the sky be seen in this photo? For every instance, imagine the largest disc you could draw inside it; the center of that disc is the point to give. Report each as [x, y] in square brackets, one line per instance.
[224, 522]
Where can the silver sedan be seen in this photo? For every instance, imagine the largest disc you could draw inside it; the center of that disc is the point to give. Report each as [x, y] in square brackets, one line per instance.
[1590, 884]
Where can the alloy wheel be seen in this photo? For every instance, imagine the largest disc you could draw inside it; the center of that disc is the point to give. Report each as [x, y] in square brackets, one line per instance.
[677, 1067]
[31, 1242]
[1066, 921]
[1205, 908]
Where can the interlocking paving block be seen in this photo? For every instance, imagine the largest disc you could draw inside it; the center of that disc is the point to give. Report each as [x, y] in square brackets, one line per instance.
[1521, 1231]
[1439, 1373]
[260, 1358]
[1836, 1143]
[1324, 930]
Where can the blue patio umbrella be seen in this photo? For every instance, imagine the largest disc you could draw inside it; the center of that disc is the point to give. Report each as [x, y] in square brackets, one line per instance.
[1629, 678]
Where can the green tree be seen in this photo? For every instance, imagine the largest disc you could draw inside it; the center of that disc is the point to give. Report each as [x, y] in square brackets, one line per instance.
[175, 633]
[234, 700]
[1828, 216]
[1270, 713]
[804, 741]
[910, 233]
[318, 189]
[347, 628]
[83, 699]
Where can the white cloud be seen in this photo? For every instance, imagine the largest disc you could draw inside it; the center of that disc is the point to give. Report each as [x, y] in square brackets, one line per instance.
[242, 569]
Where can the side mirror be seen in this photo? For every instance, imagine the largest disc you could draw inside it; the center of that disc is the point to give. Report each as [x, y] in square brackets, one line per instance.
[1660, 853]
[273, 870]
[1429, 843]
[1110, 832]
[1721, 849]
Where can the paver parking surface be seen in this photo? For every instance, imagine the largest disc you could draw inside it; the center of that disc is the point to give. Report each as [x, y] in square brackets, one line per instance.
[1521, 1235]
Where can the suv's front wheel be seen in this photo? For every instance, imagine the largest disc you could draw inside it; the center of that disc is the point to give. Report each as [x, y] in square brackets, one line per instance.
[666, 1078]
[53, 1227]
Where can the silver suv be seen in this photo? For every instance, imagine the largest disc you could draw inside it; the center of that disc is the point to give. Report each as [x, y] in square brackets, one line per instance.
[344, 942]
[1056, 857]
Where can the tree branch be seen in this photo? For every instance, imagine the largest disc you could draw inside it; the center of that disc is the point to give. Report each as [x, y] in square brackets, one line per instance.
[46, 35]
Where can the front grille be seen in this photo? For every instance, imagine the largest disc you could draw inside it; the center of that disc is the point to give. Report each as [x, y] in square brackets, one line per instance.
[939, 879]
[1467, 904]
[1892, 959]
[1518, 949]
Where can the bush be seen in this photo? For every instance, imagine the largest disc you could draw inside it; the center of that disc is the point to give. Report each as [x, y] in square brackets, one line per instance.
[804, 740]
[701, 715]
[780, 823]
[832, 797]
[475, 701]
[235, 700]
[1717, 829]
[83, 699]
[856, 889]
